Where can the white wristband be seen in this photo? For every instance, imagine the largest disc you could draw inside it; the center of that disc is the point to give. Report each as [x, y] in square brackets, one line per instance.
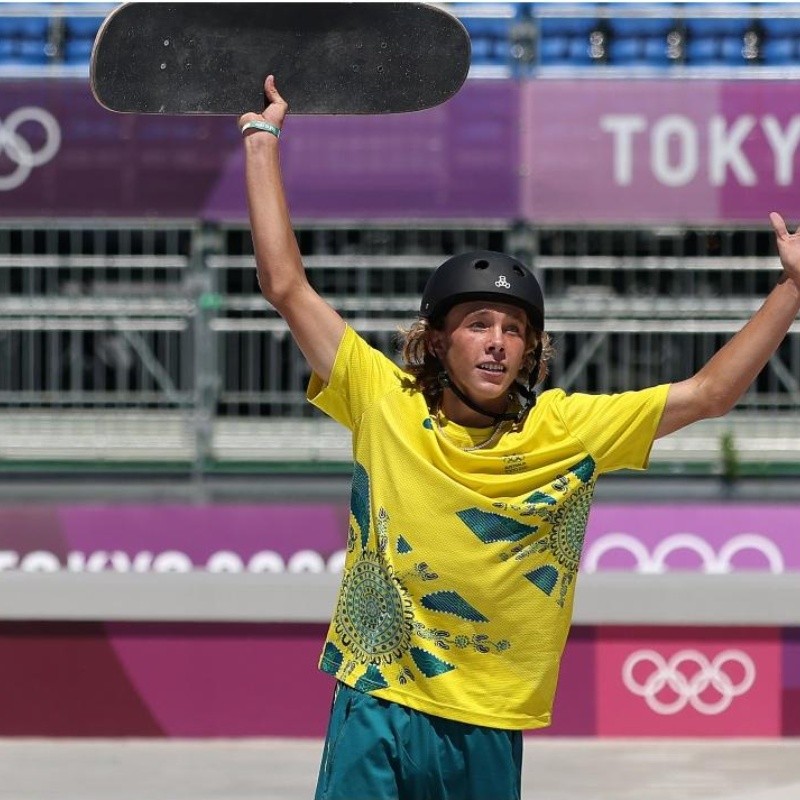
[259, 125]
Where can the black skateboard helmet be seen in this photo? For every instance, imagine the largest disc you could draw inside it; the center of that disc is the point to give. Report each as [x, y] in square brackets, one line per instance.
[482, 275]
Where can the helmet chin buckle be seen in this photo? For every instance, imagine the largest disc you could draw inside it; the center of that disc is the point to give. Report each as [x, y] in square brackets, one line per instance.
[517, 417]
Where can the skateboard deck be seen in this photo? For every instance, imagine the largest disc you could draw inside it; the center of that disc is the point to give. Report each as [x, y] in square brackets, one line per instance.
[327, 58]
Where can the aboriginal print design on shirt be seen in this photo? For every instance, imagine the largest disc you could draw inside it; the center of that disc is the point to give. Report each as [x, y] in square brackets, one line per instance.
[374, 623]
[565, 513]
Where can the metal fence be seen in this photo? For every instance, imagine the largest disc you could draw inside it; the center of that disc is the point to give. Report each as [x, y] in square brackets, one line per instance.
[150, 343]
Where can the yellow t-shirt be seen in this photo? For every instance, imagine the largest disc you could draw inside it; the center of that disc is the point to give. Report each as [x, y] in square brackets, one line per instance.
[456, 597]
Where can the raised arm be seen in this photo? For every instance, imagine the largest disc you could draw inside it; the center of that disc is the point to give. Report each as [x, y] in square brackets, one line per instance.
[715, 388]
[316, 326]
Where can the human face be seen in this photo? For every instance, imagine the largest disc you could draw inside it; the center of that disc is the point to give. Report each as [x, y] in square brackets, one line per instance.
[482, 346]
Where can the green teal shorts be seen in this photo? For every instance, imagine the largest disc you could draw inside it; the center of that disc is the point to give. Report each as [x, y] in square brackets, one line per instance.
[377, 750]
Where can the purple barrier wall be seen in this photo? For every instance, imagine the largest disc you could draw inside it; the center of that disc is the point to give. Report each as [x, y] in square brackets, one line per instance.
[551, 151]
[199, 680]
[69, 157]
[174, 538]
[85, 161]
[791, 683]
[203, 679]
[658, 151]
[708, 537]
[214, 680]
[690, 682]
[91, 679]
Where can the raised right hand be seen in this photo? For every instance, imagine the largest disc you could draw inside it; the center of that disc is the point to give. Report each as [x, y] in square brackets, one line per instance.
[275, 111]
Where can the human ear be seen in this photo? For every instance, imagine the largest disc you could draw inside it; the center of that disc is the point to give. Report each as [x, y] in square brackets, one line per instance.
[436, 346]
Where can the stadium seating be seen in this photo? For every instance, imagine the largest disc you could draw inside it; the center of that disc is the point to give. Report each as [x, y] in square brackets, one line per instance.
[48, 38]
[571, 38]
[781, 41]
[780, 51]
[508, 39]
[640, 41]
[780, 27]
[24, 40]
[79, 33]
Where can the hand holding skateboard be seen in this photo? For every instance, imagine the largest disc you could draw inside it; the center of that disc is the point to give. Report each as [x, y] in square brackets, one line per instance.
[275, 110]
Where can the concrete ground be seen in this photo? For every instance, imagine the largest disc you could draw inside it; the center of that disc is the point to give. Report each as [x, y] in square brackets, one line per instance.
[280, 769]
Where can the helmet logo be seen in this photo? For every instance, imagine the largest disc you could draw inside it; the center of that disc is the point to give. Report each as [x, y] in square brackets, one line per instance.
[501, 282]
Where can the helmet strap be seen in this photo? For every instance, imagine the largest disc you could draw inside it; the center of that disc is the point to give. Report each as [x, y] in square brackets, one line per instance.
[509, 416]
[528, 393]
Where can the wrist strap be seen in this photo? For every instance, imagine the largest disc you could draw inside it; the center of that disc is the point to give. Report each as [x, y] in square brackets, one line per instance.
[259, 125]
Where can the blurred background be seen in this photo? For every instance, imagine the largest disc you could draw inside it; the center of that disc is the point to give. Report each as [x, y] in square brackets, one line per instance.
[173, 512]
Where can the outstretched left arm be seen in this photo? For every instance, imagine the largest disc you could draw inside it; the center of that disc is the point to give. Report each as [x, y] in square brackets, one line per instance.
[715, 388]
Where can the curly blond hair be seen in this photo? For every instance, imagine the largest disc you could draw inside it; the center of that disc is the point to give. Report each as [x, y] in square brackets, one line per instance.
[424, 367]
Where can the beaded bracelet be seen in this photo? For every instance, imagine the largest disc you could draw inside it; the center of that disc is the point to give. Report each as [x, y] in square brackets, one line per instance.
[262, 126]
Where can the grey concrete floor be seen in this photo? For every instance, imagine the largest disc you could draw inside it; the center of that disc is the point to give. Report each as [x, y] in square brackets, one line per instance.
[280, 769]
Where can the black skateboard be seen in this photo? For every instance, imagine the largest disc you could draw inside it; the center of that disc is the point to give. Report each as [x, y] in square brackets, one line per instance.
[327, 58]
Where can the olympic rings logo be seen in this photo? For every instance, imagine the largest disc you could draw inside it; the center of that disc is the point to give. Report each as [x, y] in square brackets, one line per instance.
[19, 151]
[714, 563]
[684, 690]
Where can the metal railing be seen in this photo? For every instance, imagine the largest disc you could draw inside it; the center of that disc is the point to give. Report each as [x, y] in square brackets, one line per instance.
[149, 342]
